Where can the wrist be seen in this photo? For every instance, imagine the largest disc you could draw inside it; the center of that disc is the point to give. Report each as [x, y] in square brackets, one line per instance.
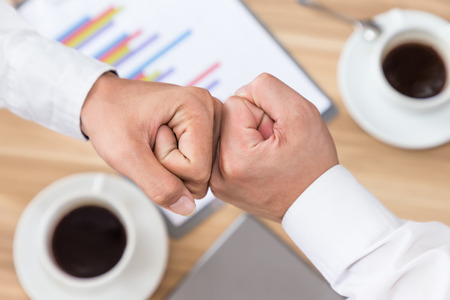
[97, 93]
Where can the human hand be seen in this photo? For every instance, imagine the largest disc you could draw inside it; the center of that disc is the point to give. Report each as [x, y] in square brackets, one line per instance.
[161, 136]
[273, 145]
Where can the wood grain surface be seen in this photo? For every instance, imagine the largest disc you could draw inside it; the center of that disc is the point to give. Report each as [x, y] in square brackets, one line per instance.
[413, 184]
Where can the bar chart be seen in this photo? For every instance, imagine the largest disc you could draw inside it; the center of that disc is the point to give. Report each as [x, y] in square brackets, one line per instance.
[101, 36]
[214, 44]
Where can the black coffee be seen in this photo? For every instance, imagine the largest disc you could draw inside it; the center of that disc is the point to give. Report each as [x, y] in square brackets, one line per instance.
[88, 241]
[415, 70]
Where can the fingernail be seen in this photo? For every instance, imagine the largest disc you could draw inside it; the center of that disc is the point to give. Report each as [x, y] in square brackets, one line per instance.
[184, 206]
[242, 92]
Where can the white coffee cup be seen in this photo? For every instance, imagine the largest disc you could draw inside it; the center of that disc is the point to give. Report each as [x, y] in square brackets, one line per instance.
[60, 208]
[415, 27]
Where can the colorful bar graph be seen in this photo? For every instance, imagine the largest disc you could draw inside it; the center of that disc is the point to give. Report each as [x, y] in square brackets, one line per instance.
[87, 27]
[118, 49]
[110, 47]
[72, 29]
[93, 36]
[171, 45]
[204, 74]
[133, 52]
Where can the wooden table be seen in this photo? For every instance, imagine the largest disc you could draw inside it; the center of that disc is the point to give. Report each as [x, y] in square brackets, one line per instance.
[413, 184]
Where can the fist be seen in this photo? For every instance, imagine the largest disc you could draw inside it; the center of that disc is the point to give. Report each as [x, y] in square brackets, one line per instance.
[273, 145]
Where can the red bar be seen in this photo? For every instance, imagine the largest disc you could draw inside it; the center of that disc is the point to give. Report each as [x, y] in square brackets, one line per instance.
[139, 76]
[204, 74]
[119, 46]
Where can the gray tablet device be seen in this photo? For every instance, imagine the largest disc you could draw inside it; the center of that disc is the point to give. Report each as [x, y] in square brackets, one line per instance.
[250, 262]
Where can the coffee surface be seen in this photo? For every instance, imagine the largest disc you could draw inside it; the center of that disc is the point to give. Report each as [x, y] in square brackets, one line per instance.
[89, 241]
[415, 70]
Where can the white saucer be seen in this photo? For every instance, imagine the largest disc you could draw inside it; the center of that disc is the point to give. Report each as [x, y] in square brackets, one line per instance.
[381, 117]
[140, 277]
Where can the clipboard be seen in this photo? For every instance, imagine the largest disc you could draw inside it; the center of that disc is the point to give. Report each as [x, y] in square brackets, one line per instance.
[219, 45]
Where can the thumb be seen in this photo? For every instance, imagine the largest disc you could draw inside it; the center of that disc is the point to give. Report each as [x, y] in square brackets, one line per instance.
[161, 186]
[273, 96]
[240, 122]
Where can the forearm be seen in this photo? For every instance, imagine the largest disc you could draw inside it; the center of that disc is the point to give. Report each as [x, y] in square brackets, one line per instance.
[42, 80]
[362, 249]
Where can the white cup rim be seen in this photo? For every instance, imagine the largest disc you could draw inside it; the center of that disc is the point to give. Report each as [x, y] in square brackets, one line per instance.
[428, 34]
[58, 210]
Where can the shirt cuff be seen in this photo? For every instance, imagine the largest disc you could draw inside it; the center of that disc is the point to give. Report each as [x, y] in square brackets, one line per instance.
[48, 82]
[335, 221]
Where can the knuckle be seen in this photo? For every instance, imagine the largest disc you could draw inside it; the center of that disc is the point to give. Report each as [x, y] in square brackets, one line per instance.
[218, 106]
[214, 182]
[197, 93]
[218, 193]
[309, 112]
[196, 96]
[263, 77]
[199, 191]
[203, 175]
[230, 105]
[198, 172]
[217, 185]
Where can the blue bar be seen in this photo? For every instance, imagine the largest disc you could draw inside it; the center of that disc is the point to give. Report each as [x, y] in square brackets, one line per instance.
[96, 34]
[73, 28]
[212, 85]
[159, 54]
[136, 50]
[111, 45]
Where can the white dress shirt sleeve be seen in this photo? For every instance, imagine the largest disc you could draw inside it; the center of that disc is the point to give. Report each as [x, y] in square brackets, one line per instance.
[42, 80]
[362, 249]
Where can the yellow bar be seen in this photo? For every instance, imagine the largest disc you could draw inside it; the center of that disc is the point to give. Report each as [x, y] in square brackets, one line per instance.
[92, 29]
[152, 76]
[121, 52]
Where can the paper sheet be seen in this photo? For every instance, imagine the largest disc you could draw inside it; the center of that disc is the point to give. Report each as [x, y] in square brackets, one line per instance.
[214, 44]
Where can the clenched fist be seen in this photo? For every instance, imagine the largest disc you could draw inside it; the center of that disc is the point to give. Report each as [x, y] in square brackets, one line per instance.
[273, 145]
